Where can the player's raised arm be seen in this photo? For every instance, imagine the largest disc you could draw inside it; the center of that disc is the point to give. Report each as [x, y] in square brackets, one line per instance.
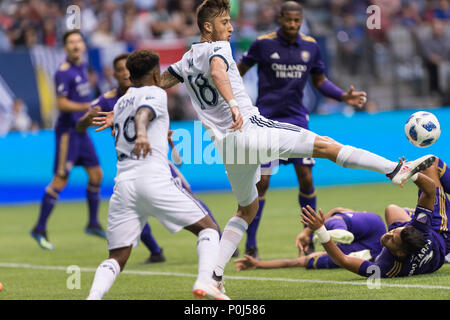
[329, 89]
[222, 82]
[142, 119]
[168, 80]
[316, 223]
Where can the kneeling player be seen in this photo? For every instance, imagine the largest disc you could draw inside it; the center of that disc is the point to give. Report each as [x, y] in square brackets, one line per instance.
[144, 185]
[413, 248]
[357, 234]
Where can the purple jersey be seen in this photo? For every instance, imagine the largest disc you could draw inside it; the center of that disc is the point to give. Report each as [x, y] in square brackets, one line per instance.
[283, 70]
[71, 82]
[367, 229]
[107, 100]
[428, 259]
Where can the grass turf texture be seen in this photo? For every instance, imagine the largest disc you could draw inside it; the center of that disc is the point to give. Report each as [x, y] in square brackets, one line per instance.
[279, 226]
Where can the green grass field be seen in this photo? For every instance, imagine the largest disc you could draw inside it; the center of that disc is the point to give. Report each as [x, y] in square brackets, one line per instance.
[28, 272]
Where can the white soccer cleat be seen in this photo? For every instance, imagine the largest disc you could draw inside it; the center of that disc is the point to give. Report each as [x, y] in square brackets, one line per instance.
[208, 290]
[405, 170]
[338, 235]
[363, 254]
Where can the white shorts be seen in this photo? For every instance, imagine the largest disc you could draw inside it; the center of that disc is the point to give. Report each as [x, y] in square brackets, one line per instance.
[260, 141]
[135, 200]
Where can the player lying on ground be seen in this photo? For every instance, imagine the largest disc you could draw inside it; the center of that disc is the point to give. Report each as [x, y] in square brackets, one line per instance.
[357, 234]
[285, 59]
[144, 185]
[237, 129]
[410, 249]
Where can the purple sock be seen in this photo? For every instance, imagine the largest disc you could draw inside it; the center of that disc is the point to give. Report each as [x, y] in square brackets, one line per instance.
[93, 199]
[444, 175]
[307, 198]
[211, 215]
[253, 227]
[149, 241]
[47, 204]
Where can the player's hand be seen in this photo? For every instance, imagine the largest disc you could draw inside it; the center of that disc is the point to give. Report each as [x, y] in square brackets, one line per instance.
[104, 120]
[303, 241]
[142, 147]
[237, 119]
[311, 219]
[355, 98]
[246, 263]
[86, 120]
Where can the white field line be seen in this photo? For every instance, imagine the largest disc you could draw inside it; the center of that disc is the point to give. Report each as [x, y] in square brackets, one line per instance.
[176, 274]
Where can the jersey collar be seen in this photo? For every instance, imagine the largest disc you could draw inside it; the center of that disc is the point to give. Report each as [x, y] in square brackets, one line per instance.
[284, 41]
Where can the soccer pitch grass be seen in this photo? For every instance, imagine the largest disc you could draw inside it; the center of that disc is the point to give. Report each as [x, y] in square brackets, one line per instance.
[28, 272]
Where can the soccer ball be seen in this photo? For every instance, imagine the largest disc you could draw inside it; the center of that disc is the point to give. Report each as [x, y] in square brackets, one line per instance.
[422, 129]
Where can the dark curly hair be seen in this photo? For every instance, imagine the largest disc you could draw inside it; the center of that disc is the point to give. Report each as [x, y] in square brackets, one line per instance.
[412, 240]
[210, 9]
[141, 62]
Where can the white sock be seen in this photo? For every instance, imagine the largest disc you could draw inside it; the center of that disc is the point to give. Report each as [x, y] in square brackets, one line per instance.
[351, 157]
[231, 236]
[208, 251]
[104, 277]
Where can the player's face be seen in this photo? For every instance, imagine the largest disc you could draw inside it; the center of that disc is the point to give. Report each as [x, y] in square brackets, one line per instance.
[121, 74]
[222, 28]
[75, 46]
[290, 22]
[392, 240]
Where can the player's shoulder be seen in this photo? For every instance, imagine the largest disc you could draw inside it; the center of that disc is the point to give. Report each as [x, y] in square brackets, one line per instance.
[110, 94]
[267, 36]
[306, 38]
[64, 66]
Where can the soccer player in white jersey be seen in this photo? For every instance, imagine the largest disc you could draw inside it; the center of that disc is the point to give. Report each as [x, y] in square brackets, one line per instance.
[144, 185]
[226, 111]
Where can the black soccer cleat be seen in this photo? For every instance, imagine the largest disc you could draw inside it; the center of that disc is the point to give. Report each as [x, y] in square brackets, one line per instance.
[155, 258]
[253, 252]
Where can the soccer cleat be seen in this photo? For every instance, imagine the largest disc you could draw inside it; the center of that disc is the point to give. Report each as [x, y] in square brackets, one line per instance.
[155, 258]
[405, 170]
[95, 231]
[338, 235]
[41, 239]
[208, 290]
[253, 252]
[220, 285]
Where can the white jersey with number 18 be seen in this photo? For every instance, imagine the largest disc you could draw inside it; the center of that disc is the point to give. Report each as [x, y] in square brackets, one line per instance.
[194, 70]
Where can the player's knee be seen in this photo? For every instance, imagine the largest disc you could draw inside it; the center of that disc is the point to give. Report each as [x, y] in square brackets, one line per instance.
[59, 182]
[96, 176]
[390, 211]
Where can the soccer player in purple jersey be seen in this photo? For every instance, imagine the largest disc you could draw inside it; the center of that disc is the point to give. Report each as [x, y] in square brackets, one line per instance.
[285, 58]
[72, 147]
[414, 245]
[356, 233]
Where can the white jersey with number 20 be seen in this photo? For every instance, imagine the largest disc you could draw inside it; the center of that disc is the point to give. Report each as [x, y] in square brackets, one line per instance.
[154, 98]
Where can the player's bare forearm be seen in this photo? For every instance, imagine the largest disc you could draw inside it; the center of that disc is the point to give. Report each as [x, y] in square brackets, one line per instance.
[281, 263]
[67, 105]
[350, 263]
[243, 68]
[167, 80]
[141, 121]
[86, 120]
[220, 78]
[428, 188]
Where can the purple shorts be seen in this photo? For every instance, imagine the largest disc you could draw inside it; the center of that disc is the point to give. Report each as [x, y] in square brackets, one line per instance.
[73, 149]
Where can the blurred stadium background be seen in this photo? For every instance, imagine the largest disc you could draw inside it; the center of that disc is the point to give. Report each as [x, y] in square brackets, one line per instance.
[405, 65]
